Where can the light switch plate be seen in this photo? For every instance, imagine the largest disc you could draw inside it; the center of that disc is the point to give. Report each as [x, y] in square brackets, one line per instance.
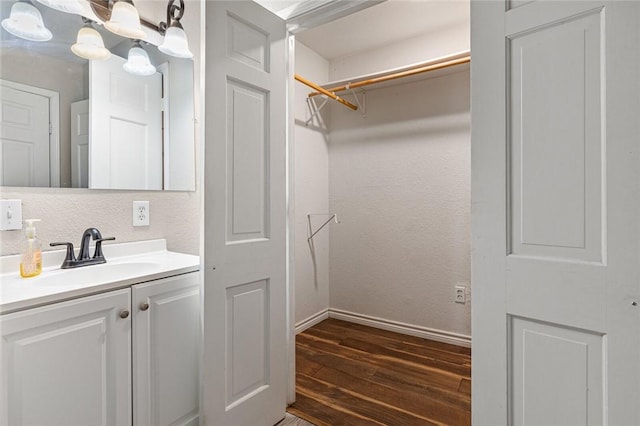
[140, 213]
[10, 215]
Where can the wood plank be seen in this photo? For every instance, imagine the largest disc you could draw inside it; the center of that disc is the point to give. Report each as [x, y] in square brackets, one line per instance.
[442, 378]
[422, 405]
[394, 343]
[325, 414]
[365, 407]
[465, 387]
[353, 374]
[345, 325]
[406, 356]
[323, 359]
[411, 383]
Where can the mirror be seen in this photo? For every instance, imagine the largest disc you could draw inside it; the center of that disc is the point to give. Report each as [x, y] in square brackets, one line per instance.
[86, 142]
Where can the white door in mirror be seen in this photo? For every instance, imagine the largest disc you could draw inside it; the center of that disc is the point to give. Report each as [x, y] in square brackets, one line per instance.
[140, 213]
[25, 138]
[125, 142]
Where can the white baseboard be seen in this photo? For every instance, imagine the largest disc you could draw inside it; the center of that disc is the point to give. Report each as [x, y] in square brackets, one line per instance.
[398, 327]
[312, 320]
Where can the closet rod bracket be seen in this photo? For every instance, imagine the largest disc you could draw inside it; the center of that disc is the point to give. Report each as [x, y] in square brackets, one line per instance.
[333, 217]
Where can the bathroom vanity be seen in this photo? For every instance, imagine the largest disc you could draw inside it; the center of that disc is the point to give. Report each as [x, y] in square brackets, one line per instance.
[117, 343]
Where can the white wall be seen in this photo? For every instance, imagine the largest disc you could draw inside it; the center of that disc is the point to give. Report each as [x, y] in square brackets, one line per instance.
[418, 49]
[311, 192]
[399, 180]
[66, 212]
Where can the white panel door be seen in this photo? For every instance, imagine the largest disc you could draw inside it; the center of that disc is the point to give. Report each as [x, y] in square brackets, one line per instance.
[125, 122]
[68, 363]
[80, 144]
[245, 211]
[556, 213]
[166, 351]
[24, 138]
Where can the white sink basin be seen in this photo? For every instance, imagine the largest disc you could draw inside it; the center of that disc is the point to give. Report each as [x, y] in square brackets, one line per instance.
[127, 264]
[104, 272]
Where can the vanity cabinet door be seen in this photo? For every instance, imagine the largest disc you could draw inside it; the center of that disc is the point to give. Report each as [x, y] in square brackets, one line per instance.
[67, 363]
[166, 351]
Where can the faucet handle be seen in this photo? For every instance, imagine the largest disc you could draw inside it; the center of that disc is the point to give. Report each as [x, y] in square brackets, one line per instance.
[98, 252]
[70, 256]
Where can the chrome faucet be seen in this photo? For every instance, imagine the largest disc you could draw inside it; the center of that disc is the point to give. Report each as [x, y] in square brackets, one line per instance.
[84, 259]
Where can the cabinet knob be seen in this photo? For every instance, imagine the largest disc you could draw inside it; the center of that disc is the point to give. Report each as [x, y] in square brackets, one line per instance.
[144, 306]
[124, 314]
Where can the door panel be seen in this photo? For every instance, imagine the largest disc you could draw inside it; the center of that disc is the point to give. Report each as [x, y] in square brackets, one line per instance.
[166, 351]
[125, 150]
[24, 138]
[248, 188]
[80, 144]
[68, 363]
[557, 145]
[569, 358]
[247, 340]
[245, 212]
[556, 212]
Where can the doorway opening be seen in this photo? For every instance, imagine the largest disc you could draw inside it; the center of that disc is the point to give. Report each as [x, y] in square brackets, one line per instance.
[396, 172]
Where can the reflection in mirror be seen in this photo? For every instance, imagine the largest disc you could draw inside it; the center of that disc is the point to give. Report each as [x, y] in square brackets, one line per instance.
[70, 122]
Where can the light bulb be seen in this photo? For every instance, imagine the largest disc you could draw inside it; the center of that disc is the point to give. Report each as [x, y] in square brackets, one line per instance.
[125, 21]
[138, 62]
[68, 6]
[89, 44]
[175, 43]
[25, 21]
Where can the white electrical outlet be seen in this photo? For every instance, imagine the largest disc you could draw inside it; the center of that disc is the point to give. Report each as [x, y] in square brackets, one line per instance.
[460, 295]
[140, 213]
[10, 215]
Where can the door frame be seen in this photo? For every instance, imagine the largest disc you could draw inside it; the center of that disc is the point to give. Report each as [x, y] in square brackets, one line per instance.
[54, 120]
[290, 221]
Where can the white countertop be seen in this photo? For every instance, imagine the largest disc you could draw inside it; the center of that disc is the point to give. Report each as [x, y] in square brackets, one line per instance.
[127, 264]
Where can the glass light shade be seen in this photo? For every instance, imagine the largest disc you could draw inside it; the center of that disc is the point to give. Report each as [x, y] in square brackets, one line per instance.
[68, 6]
[138, 62]
[175, 43]
[125, 21]
[89, 45]
[25, 21]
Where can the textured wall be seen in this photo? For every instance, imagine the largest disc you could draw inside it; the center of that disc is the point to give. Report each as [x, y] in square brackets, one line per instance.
[66, 212]
[311, 192]
[421, 48]
[399, 179]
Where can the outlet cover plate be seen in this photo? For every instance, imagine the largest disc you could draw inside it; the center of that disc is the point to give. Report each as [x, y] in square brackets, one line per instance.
[460, 294]
[140, 213]
[10, 215]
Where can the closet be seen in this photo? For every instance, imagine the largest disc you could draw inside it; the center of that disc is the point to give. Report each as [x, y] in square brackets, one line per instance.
[381, 170]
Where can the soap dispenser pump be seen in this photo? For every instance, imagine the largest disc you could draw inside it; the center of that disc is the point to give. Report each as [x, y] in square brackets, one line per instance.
[31, 260]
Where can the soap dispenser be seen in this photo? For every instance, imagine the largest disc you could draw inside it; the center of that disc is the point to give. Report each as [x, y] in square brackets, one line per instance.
[31, 260]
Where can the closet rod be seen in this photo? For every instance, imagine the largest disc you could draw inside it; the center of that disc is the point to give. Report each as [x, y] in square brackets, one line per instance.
[408, 73]
[322, 91]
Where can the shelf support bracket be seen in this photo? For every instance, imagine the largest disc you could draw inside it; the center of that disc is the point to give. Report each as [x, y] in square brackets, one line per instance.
[333, 217]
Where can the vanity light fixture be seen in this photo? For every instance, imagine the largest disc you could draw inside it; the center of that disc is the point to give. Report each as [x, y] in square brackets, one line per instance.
[138, 62]
[89, 43]
[25, 21]
[68, 6]
[175, 39]
[125, 20]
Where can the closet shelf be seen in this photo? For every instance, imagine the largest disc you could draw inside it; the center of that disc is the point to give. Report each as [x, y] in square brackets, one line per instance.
[436, 64]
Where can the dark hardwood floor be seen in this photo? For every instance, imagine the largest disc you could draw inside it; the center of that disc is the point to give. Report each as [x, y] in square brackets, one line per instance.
[350, 374]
